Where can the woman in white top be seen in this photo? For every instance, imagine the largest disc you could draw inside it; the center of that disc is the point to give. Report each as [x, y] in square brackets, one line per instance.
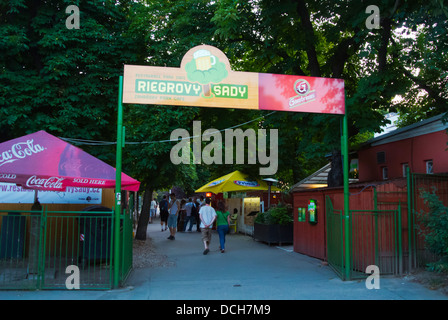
[152, 210]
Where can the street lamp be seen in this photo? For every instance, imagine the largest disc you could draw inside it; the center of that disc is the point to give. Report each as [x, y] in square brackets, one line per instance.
[269, 181]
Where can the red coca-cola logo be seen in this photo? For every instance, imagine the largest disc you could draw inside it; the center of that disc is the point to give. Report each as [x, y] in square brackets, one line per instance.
[50, 183]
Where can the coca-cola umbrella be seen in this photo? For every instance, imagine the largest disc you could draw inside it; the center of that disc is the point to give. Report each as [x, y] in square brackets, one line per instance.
[41, 161]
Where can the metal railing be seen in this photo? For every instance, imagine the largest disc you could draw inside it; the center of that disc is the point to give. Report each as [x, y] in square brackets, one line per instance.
[37, 247]
[335, 238]
[126, 247]
[20, 249]
[81, 240]
[375, 239]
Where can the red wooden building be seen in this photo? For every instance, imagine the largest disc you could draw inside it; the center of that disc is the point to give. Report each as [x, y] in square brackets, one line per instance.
[421, 147]
[377, 237]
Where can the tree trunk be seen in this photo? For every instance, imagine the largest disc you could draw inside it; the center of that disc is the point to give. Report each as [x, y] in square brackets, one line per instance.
[382, 51]
[336, 174]
[310, 38]
[144, 215]
[136, 206]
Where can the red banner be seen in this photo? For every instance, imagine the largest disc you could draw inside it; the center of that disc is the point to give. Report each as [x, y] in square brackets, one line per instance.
[301, 94]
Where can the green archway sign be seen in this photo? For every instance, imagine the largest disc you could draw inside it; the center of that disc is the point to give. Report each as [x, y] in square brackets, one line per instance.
[205, 79]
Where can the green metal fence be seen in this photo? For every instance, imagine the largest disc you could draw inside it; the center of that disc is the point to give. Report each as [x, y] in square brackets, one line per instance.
[82, 240]
[127, 247]
[375, 239]
[20, 249]
[36, 247]
[335, 238]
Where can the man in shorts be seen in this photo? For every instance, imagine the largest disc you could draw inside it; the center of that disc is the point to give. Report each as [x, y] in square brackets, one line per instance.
[207, 215]
[173, 208]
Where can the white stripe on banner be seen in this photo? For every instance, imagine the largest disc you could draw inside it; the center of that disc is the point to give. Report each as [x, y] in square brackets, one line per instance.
[11, 193]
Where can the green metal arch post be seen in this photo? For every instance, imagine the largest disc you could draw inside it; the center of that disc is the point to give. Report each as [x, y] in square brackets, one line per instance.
[116, 275]
[347, 224]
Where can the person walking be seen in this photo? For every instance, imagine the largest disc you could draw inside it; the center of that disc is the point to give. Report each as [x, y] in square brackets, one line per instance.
[181, 218]
[188, 215]
[163, 205]
[201, 201]
[152, 210]
[222, 224]
[207, 215]
[173, 209]
[195, 214]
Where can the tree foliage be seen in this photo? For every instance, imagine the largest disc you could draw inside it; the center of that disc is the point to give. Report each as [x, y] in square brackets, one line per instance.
[433, 226]
[330, 39]
[65, 81]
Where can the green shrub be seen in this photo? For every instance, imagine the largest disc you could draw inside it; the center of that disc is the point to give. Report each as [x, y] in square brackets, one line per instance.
[434, 228]
[282, 214]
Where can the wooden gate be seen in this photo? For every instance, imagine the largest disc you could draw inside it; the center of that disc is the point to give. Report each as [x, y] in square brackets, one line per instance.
[375, 239]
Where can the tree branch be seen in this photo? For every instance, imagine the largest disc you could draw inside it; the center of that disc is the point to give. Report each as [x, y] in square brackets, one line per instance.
[385, 37]
[432, 92]
[310, 40]
[386, 31]
[341, 54]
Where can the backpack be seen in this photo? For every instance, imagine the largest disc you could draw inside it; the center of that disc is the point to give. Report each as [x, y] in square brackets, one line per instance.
[194, 209]
[163, 206]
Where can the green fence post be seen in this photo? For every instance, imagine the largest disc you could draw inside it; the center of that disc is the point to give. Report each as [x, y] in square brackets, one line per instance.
[400, 252]
[375, 212]
[409, 187]
[118, 185]
[344, 152]
[42, 249]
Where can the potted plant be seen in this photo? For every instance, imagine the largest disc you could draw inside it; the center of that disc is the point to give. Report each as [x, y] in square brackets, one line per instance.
[275, 225]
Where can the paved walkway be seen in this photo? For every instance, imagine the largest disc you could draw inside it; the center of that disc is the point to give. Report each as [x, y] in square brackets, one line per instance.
[248, 270]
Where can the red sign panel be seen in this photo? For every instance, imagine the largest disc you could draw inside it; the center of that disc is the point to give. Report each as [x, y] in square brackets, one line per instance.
[300, 94]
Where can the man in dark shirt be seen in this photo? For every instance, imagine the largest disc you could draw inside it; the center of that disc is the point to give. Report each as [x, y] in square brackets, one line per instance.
[163, 205]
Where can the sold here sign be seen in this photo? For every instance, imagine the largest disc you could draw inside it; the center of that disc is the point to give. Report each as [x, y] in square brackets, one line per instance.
[205, 79]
